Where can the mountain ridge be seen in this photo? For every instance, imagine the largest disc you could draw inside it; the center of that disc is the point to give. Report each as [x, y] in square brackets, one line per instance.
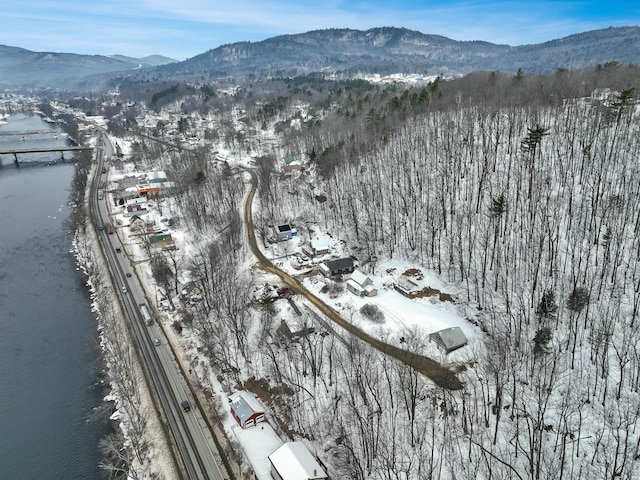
[334, 51]
[22, 67]
[393, 50]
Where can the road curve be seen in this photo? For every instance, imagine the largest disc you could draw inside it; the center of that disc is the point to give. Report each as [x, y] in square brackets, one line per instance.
[439, 374]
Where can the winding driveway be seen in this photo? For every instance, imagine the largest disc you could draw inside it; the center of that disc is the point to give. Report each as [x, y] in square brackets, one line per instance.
[439, 374]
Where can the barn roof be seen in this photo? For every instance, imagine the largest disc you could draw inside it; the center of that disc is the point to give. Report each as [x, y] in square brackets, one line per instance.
[244, 405]
[450, 338]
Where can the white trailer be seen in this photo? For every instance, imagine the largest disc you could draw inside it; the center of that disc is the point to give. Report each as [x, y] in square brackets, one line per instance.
[145, 314]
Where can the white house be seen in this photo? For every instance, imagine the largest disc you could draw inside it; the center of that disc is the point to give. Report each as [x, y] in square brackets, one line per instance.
[361, 285]
[320, 246]
[156, 177]
[293, 461]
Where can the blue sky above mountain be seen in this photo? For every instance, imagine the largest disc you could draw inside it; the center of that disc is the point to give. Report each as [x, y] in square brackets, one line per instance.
[189, 27]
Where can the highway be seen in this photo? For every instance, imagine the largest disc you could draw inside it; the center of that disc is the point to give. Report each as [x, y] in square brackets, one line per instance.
[197, 449]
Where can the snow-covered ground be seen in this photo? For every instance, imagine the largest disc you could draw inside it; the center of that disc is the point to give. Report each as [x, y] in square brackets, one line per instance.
[404, 317]
[525, 397]
[257, 443]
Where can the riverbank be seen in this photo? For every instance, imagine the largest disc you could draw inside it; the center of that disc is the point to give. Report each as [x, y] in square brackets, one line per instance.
[139, 446]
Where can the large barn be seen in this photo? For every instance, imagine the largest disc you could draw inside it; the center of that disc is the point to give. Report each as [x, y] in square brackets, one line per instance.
[293, 461]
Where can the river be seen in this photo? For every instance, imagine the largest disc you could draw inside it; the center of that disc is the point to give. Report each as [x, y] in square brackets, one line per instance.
[48, 333]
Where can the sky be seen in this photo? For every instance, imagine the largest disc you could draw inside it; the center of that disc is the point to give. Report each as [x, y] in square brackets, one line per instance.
[182, 29]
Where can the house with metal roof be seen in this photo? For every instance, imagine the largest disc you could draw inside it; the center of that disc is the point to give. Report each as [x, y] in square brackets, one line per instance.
[337, 267]
[293, 461]
[449, 339]
[246, 409]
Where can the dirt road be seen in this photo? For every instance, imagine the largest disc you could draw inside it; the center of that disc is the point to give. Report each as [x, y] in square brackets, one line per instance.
[439, 374]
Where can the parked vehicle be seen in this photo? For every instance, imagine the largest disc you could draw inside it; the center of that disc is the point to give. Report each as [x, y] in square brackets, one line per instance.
[283, 291]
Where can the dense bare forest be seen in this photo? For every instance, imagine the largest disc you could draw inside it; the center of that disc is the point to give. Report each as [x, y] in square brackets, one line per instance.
[532, 210]
[523, 193]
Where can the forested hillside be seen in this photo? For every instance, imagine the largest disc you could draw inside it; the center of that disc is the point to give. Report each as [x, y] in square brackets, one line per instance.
[533, 211]
[520, 192]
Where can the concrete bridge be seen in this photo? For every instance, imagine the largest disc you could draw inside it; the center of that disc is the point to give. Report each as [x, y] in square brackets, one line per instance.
[28, 132]
[16, 151]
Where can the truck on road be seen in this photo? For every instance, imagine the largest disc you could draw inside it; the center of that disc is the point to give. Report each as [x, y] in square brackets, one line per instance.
[145, 314]
[100, 194]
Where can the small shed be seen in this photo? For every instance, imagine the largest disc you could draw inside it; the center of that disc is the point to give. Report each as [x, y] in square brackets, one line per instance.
[246, 409]
[407, 287]
[337, 267]
[361, 285]
[449, 339]
[293, 461]
[284, 232]
[135, 209]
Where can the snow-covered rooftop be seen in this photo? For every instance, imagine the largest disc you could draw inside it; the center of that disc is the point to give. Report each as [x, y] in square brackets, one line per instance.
[244, 404]
[294, 462]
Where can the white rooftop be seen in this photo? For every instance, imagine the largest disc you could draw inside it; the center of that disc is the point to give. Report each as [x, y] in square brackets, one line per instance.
[319, 243]
[294, 462]
[359, 277]
[245, 404]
